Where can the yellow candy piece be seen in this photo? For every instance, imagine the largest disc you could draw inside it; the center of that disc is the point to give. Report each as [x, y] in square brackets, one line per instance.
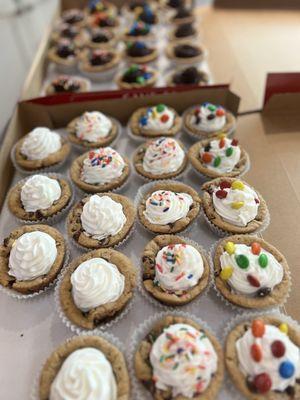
[236, 205]
[138, 10]
[238, 185]
[222, 135]
[226, 273]
[284, 328]
[230, 248]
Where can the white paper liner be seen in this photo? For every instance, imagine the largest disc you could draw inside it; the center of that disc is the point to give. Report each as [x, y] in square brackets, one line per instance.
[57, 216]
[237, 308]
[80, 78]
[193, 302]
[246, 317]
[83, 148]
[19, 296]
[102, 76]
[139, 391]
[200, 136]
[143, 190]
[105, 335]
[143, 138]
[50, 168]
[78, 329]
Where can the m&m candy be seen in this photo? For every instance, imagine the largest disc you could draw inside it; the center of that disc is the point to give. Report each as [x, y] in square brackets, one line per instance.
[221, 194]
[242, 261]
[284, 328]
[256, 352]
[206, 158]
[225, 185]
[236, 205]
[255, 248]
[226, 273]
[258, 328]
[230, 247]
[278, 348]
[222, 143]
[217, 161]
[262, 382]
[229, 152]
[286, 369]
[238, 185]
[263, 260]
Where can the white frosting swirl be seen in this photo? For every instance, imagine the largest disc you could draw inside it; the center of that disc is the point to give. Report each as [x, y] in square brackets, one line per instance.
[164, 207]
[102, 166]
[268, 364]
[39, 193]
[178, 267]
[184, 360]
[241, 216]
[96, 282]
[102, 217]
[163, 156]
[93, 126]
[209, 118]
[159, 119]
[85, 374]
[32, 255]
[40, 143]
[228, 162]
[268, 277]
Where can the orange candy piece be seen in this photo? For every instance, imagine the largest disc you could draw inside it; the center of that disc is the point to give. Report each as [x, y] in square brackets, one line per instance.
[256, 352]
[258, 328]
[207, 157]
[222, 143]
[255, 248]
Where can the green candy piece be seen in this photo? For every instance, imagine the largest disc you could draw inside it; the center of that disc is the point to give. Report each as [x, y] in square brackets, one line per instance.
[217, 161]
[242, 261]
[263, 260]
[229, 151]
[211, 107]
[160, 108]
[140, 79]
[133, 68]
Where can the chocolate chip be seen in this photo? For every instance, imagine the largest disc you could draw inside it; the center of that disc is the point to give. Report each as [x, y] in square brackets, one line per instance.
[76, 235]
[263, 292]
[39, 215]
[207, 147]
[198, 119]
[211, 116]
[290, 390]
[250, 384]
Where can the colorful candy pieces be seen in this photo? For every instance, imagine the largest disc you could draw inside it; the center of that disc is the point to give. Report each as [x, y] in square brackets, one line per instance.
[242, 261]
[238, 185]
[284, 328]
[255, 248]
[262, 383]
[230, 247]
[286, 369]
[278, 348]
[258, 328]
[236, 205]
[263, 260]
[256, 352]
[226, 273]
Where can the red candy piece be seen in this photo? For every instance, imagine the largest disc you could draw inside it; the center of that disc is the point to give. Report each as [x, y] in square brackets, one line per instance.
[253, 281]
[278, 348]
[256, 201]
[234, 142]
[225, 185]
[164, 118]
[255, 248]
[263, 383]
[258, 328]
[220, 112]
[221, 143]
[91, 155]
[256, 352]
[221, 194]
[207, 157]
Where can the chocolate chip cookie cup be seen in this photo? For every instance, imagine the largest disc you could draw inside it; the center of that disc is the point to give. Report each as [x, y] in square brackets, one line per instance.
[262, 356]
[154, 122]
[162, 158]
[93, 129]
[100, 170]
[175, 271]
[219, 157]
[101, 220]
[99, 65]
[167, 206]
[139, 52]
[31, 258]
[250, 273]
[208, 120]
[136, 77]
[99, 357]
[41, 198]
[66, 84]
[233, 207]
[96, 290]
[154, 370]
[188, 76]
[185, 53]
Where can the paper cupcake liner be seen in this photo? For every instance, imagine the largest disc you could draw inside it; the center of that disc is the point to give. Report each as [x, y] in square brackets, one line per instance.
[102, 326]
[200, 136]
[139, 391]
[234, 393]
[236, 307]
[142, 139]
[80, 78]
[65, 69]
[19, 296]
[105, 335]
[57, 216]
[193, 302]
[102, 76]
[82, 148]
[51, 168]
[141, 194]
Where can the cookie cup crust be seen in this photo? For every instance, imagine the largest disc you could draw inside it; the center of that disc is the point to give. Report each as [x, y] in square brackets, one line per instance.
[56, 359]
[182, 223]
[218, 221]
[87, 67]
[143, 59]
[75, 174]
[278, 294]
[75, 229]
[232, 363]
[148, 264]
[103, 313]
[41, 282]
[195, 160]
[70, 61]
[138, 158]
[84, 87]
[139, 131]
[144, 371]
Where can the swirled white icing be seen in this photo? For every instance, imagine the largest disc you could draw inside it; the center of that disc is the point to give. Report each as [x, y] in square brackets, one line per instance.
[40, 143]
[93, 126]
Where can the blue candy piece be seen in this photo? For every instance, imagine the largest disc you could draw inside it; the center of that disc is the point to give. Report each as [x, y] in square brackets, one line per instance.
[147, 75]
[140, 45]
[286, 369]
[143, 121]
